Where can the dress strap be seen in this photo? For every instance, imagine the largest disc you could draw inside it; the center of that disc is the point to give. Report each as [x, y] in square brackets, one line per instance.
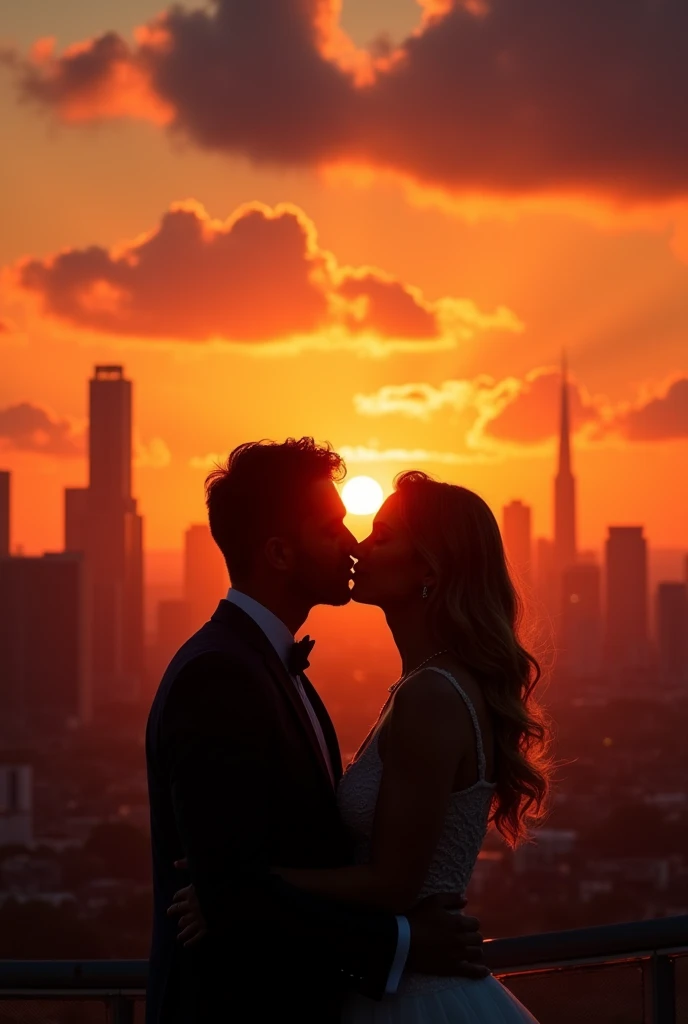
[482, 763]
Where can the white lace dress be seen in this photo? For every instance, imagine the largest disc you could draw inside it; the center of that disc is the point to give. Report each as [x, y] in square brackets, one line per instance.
[421, 998]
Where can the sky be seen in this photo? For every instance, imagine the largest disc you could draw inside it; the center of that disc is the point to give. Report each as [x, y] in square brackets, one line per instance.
[378, 224]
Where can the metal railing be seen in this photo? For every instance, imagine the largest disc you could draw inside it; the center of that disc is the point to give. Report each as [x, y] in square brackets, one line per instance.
[635, 973]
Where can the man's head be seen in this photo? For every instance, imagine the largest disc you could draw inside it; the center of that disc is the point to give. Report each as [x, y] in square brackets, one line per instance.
[277, 517]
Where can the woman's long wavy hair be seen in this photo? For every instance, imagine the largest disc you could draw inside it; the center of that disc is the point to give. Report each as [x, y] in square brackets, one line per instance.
[477, 613]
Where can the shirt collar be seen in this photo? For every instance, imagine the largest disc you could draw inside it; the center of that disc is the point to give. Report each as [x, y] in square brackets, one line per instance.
[279, 635]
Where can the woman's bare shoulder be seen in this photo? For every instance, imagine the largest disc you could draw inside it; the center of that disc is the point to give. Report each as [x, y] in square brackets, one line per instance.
[430, 695]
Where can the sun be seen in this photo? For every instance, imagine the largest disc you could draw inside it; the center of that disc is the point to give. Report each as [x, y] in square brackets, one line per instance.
[362, 495]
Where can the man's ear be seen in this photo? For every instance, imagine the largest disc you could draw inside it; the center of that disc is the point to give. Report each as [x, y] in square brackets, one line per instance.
[279, 553]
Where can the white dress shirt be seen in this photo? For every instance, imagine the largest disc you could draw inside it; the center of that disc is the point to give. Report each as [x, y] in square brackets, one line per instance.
[281, 638]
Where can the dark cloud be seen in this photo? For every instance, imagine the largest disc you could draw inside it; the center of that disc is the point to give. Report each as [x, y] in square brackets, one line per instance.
[249, 279]
[28, 428]
[662, 418]
[388, 307]
[258, 276]
[508, 96]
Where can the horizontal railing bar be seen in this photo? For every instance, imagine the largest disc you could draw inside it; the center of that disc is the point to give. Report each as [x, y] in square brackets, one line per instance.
[549, 951]
[584, 943]
[74, 993]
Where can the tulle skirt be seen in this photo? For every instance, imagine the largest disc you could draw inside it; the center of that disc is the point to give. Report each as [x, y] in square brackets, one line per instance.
[461, 1001]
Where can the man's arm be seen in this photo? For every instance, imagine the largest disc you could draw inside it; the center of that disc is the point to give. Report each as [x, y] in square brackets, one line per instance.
[218, 733]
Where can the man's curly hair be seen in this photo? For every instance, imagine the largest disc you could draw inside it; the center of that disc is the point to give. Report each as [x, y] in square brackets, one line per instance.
[258, 492]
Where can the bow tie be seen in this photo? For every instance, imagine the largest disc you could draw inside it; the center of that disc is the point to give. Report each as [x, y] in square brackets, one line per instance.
[297, 661]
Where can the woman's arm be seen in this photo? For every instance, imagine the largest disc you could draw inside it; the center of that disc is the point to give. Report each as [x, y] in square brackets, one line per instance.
[427, 730]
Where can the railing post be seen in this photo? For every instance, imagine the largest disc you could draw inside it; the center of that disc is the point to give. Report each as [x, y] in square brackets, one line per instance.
[661, 1004]
[121, 1010]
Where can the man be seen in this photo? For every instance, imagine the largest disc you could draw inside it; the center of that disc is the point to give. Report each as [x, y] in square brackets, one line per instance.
[243, 764]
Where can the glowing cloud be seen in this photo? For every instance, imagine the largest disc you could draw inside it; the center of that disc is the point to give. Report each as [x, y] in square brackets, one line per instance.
[259, 276]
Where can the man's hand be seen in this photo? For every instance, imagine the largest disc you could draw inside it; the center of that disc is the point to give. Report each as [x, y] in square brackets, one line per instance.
[185, 906]
[445, 941]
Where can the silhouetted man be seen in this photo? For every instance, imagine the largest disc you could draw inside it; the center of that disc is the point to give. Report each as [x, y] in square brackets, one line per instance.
[243, 764]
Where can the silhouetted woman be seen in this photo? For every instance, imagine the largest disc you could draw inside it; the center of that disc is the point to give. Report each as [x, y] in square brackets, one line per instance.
[460, 741]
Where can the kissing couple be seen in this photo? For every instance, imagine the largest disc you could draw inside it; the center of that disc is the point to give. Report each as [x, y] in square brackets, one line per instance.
[285, 889]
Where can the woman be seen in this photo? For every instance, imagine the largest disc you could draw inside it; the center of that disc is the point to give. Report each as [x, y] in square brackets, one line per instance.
[459, 742]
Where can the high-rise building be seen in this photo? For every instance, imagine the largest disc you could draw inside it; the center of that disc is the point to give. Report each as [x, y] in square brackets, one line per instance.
[16, 804]
[672, 631]
[76, 518]
[626, 641]
[516, 529]
[102, 521]
[205, 574]
[172, 627]
[4, 513]
[564, 487]
[581, 619]
[44, 645]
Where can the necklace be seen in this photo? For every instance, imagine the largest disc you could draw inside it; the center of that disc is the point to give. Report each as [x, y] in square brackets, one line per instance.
[400, 680]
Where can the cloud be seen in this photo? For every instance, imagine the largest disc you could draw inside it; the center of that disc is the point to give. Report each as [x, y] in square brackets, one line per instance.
[418, 401]
[410, 456]
[524, 412]
[259, 276]
[28, 428]
[153, 455]
[658, 417]
[519, 410]
[507, 97]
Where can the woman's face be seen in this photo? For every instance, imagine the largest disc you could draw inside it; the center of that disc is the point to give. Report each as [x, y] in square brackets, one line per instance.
[389, 570]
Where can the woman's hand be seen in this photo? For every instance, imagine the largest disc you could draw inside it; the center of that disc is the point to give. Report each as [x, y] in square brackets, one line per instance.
[185, 906]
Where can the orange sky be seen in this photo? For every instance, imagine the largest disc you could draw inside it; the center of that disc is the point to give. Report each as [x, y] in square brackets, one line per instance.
[411, 312]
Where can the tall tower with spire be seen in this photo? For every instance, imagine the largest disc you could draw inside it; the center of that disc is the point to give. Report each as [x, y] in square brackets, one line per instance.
[564, 486]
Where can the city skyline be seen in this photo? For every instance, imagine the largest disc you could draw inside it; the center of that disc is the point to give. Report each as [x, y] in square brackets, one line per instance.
[592, 604]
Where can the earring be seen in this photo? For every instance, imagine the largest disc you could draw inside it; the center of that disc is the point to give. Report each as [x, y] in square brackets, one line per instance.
[425, 592]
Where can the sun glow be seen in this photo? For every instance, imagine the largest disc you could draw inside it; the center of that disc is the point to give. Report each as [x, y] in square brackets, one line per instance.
[362, 495]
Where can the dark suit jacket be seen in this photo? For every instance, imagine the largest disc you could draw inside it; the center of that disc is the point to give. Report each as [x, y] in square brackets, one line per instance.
[237, 784]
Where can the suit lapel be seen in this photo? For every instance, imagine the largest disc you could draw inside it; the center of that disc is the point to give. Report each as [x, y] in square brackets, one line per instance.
[244, 626]
[326, 726]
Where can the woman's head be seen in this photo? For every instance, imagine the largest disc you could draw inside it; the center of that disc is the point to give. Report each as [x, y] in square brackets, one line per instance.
[436, 552]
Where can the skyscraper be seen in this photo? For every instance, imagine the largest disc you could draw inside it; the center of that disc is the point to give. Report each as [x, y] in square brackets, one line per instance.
[564, 487]
[102, 521]
[16, 804]
[76, 517]
[516, 530]
[205, 574]
[172, 629]
[115, 540]
[4, 513]
[672, 631]
[626, 642]
[581, 619]
[44, 645]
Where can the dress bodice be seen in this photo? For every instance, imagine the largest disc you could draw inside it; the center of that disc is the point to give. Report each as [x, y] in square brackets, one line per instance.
[465, 822]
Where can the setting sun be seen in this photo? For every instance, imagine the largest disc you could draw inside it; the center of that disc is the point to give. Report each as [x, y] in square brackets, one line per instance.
[362, 495]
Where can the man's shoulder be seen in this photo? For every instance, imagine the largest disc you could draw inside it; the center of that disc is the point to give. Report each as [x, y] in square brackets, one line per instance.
[213, 651]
